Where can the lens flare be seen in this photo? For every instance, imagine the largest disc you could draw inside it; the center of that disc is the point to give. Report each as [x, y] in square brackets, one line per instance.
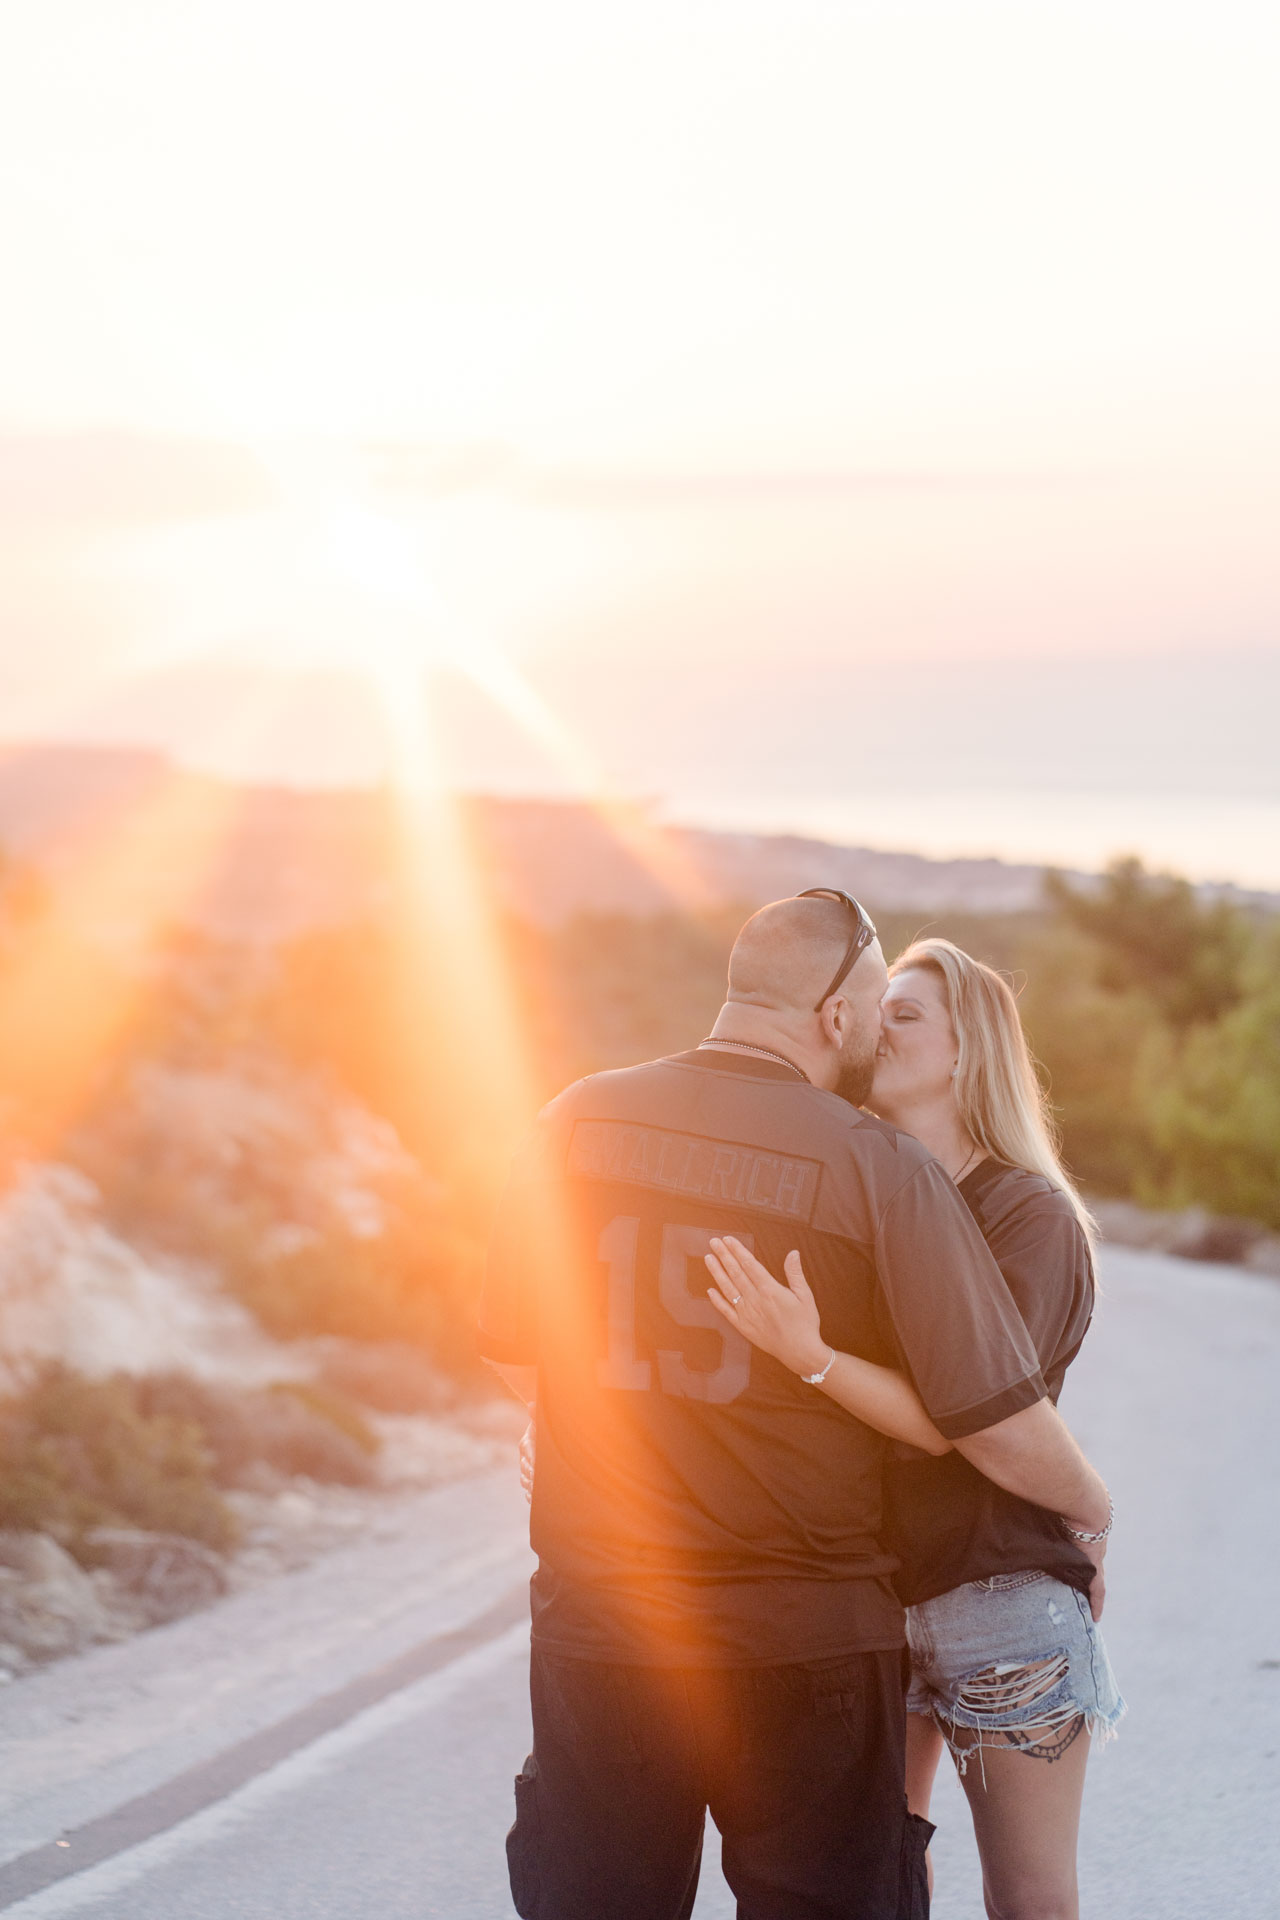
[78, 981]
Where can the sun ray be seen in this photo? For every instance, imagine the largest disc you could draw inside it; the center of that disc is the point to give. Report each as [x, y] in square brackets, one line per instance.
[77, 979]
[407, 621]
[353, 589]
[655, 849]
[456, 1008]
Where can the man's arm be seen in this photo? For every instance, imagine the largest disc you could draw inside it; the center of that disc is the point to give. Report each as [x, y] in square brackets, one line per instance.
[523, 1381]
[972, 1359]
[1034, 1455]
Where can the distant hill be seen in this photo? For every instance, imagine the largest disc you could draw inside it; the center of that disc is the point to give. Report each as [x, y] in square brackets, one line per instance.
[130, 840]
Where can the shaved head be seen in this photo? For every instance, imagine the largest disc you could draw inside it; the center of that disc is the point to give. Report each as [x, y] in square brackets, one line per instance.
[785, 956]
[787, 953]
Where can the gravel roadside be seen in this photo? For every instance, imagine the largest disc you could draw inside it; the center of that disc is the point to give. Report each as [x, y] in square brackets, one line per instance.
[337, 1584]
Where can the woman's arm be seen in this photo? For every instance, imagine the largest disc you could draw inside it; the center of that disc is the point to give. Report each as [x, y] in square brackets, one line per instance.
[783, 1321]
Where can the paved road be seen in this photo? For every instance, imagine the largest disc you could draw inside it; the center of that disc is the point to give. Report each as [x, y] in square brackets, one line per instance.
[398, 1813]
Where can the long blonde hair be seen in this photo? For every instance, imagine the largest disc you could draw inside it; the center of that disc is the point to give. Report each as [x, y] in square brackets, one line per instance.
[998, 1092]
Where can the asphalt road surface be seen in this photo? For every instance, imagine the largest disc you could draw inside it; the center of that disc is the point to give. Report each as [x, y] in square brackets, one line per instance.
[344, 1746]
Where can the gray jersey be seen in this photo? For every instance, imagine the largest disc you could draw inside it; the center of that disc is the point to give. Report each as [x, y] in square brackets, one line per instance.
[694, 1501]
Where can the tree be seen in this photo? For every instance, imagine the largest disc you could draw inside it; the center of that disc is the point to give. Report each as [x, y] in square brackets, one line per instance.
[1097, 1046]
[1217, 1116]
[1158, 937]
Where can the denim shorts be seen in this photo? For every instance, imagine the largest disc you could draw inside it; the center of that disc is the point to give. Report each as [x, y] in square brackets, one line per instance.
[1013, 1661]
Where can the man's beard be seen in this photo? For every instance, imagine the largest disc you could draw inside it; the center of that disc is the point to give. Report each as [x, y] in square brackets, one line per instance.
[857, 1071]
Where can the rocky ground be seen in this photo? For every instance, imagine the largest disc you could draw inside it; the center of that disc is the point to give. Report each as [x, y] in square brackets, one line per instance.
[51, 1606]
[1190, 1234]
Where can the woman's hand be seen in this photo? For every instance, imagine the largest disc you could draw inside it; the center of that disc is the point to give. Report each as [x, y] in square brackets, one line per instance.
[780, 1320]
[783, 1321]
[528, 1447]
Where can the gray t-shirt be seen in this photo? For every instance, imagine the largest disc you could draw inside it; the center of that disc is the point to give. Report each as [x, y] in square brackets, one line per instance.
[694, 1502]
[944, 1521]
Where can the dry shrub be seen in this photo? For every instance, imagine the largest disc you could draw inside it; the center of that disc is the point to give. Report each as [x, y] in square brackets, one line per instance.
[387, 1375]
[294, 1427]
[77, 1454]
[329, 1403]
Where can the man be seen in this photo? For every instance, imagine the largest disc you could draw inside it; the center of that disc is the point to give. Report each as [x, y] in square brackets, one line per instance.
[712, 1622]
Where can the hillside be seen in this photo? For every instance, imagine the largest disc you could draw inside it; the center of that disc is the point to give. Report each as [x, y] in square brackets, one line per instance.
[136, 839]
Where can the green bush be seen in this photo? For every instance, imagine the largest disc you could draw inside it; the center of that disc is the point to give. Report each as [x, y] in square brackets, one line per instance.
[1216, 1115]
[1158, 1016]
[1099, 1050]
[77, 1454]
[1154, 934]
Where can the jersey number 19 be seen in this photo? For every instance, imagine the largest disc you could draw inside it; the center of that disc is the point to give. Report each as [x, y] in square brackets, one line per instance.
[622, 1365]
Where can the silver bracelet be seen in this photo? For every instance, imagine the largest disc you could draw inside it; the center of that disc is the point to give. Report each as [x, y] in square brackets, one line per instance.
[816, 1379]
[1089, 1539]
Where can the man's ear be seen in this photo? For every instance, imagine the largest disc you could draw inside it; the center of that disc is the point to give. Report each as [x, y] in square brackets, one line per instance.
[834, 1021]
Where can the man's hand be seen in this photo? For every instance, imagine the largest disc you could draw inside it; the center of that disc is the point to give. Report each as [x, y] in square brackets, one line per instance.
[1033, 1455]
[523, 1381]
[1096, 1550]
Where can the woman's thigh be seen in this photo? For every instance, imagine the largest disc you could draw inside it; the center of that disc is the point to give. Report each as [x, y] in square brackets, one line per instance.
[1026, 1819]
[1016, 1676]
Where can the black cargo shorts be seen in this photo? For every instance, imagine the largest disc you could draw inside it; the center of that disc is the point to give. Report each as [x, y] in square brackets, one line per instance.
[800, 1765]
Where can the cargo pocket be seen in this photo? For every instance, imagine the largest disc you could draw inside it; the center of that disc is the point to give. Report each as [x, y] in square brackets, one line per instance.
[841, 1691]
[522, 1843]
[913, 1870]
[589, 1711]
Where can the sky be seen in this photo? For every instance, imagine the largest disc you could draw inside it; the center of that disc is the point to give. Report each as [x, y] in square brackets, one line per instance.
[862, 419]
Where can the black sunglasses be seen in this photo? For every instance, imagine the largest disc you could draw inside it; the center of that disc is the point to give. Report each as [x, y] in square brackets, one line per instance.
[864, 932]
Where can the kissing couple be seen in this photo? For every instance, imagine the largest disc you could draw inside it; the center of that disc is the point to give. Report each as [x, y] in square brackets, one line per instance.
[792, 1310]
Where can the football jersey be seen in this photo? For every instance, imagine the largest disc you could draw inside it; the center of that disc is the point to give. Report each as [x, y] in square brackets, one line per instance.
[694, 1501]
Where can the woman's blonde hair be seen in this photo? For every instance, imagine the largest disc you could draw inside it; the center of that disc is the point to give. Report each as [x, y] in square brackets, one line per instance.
[998, 1092]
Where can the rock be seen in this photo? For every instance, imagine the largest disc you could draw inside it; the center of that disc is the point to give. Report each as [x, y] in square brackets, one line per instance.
[73, 1291]
[13, 1661]
[1126, 1224]
[162, 1575]
[388, 1375]
[36, 1556]
[295, 1507]
[49, 1606]
[420, 1452]
[1264, 1256]
[1207, 1236]
[1192, 1234]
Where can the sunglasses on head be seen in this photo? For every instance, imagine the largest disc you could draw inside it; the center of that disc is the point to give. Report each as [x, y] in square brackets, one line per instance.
[864, 932]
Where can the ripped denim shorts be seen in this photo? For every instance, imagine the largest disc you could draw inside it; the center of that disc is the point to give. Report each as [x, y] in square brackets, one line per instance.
[1013, 1661]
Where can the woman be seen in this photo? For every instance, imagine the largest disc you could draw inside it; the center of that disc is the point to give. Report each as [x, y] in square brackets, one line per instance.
[1008, 1666]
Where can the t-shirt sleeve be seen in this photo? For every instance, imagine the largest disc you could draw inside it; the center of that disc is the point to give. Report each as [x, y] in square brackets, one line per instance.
[508, 1319]
[1042, 1252]
[953, 1317]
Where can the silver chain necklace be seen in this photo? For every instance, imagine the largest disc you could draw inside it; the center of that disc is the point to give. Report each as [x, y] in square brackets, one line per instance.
[958, 1177]
[766, 1053]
